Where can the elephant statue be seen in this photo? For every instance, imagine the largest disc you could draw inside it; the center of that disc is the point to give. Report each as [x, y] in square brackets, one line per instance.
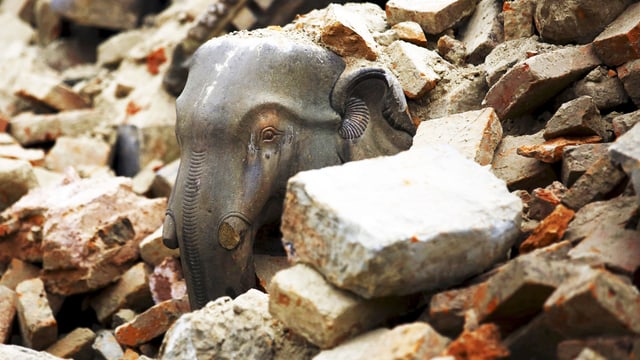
[257, 108]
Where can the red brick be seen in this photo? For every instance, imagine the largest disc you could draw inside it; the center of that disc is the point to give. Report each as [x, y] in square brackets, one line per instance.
[550, 230]
[618, 43]
[551, 151]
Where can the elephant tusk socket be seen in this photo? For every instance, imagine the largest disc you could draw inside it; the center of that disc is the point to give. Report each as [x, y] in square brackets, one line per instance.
[231, 231]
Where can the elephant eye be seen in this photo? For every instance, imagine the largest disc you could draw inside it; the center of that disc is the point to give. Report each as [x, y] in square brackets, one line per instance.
[269, 134]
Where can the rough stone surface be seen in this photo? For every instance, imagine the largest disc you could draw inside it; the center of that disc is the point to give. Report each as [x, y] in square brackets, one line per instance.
[29, 128]
[242, 328]
[550, 230]
[14, 151]
[78, 152]
[75, 345]
[598, 181]
[153, 251]
[624, 122]
[475, 134]
[629, 74]
[610, 245]
[347, 35]
[113, 50]
[434, 17]
[481, 343]
[544, 200]
[106, 346]
[268, 266]
[579, 117]
[575, 21]
[626, 152]
[411, 32]
[604, 86]
[16, 179]
[518, 171]
[532, 82]
[323, 314]
[447, 309]
[483, 31]
[577, 159]
[117, 16]
[18, 271]
[518, 19]
[38, 326]
[358, 245]
[411, 65]
[551, 151]
[599, 214]
[8, 300]
[618, 43]
[452, 50]
[23, 353]
[539, 332]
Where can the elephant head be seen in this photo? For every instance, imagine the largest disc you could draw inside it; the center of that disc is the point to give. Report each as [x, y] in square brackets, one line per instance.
[256, 109]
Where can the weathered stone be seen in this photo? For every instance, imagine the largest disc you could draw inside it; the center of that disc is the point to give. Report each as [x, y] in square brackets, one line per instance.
[323, 314]
[624, 122]
[167, 282]
[106, 346]
[544, 200]
[600, 214]
[618, 43]
[29, 128]
[50, 92]
[120, 16]
[16, 179]
[447, 308]
[268, 266]
[21, 236]
[481, 343]
[38, 327]
[411, 65]
[8, 303]
[381, 253]
[242, 328]
[355, 348]
[411, 32]
[550, 230]
[598, 181]
[48, 23]
[611, 347]
[579, 117]
[551, 151]
[603, 86]
[23, 353]
[532, 82]
[346, 34]
[153, 251]
[130, 291]
[434, 17]
[626, 152]
[629, 74]
[518, 19]
[152, 323]
[595, 303]
[452, 50]
[78, 152]
[518, 171]
[610, 245]
[577, 159]
[18, 271]
[475, 134]
[577, 21]
[75, 345]
[483, 31]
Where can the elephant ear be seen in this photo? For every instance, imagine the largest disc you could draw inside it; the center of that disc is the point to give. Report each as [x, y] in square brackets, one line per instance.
[356, 89]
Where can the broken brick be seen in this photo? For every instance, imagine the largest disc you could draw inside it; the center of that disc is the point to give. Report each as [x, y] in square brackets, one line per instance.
[551, 151]
[598, 181]
[576, 118]
[482, 343]
[18, 271]
[50, 92]
[347, 35]
[550, 230]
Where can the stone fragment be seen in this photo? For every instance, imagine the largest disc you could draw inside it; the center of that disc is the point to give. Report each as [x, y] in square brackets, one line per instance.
[475, 134]
[29, 128]
[624, 122]
[144, 178]
[517, 18]
[114, 49]
[14, 151]
[122, 316]
[598, 181]
[434, 17]
[16, 179]
[532, 82]
[411, 32]
[611, 347]
[50, 92]
[347, 35]
[8, 303]
[577, 159]
[130, 291]
[544, 200]
[481, 343]
[75, 345]
[238, 329]
[18, 271]
[574, 22]
[366, 249]
[610, 245]
[578, 117]
[48, 23]
[355, 348]
[23, 353]
[551, 151]
[521, 172]
[323, 314]
[629, 74]
[447, 309]
[600, 214]
[268, 266]
[603, 86]
[626, 152]
[411, 65]
[618, 43]
[550, 230]
[38, 327]
[153, 251]
[118, 16]
[16, 30]
[152, 323]
[167, 282]
[165, 179]
[594, 303]
[106, 346]
[78, 152]
[452, 50]
[483, 31]
[21, 236]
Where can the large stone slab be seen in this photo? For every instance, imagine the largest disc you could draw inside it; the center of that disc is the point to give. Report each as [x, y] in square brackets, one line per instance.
[451, 219]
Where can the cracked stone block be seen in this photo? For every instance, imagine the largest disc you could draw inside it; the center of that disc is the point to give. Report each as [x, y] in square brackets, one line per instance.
[475, 134]
[411, 65]
[532, 82]
[18, 271]
[106, 346]
[50, 92]
[565, 22]
[78, 152]
[610, 347]
[618, 43]
[578, 117]
[481, 343]
[518, 19]
[322, 313]
[434, 17]
[346, 34]
[550, 230]
[165, 179]
[594, 303]
[577, 159]
[600, 214]
[38, 326]
[152, 323]
[167, 282]
[130, 291]
[518, 171]
[122, 15]
[551, 151]
[75, 345]
[610, 245]
[16, 179]
[629, 74]
[358, 245]
[8, 303]
[624, 122]
[29, 128]
[483, 31]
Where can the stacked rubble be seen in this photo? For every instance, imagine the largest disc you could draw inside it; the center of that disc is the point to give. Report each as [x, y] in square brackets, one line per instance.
[510, 228]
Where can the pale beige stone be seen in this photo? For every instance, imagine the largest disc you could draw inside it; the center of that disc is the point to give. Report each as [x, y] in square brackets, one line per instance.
[38, 326]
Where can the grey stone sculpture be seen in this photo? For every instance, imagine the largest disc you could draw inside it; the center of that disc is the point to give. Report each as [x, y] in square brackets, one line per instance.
[257, 108]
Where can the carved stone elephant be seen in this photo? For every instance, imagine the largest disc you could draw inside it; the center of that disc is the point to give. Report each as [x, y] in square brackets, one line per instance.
[256, 109]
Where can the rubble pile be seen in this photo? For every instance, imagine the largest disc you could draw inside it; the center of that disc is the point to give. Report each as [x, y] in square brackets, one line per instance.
[511, 228]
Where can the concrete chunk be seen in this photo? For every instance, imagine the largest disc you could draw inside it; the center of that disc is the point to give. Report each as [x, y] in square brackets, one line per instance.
[23, 353]
[625, 151]
[483, 31]
[346, 34]
[352, 238]
[611, 347]
[618, 43]
[106, 346]
[434, 16]
[411, 65]
[38, 327]
[475, 134]
[604, 86]
[624, 122]
[117, 16]
[323, 314]
[153, 251]
[78, 152]
[578, 117]
[50, 92]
